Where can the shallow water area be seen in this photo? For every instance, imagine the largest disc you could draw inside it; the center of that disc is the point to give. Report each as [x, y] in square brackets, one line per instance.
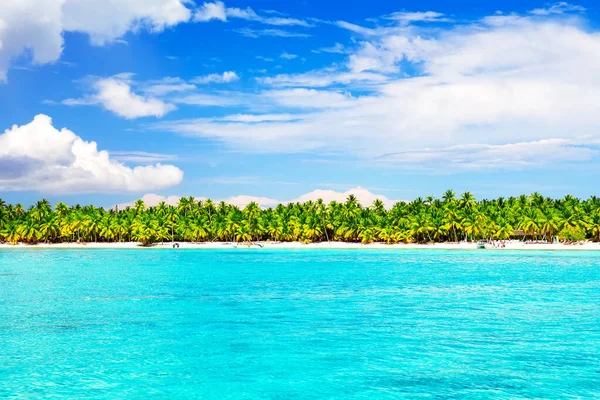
[299, 324]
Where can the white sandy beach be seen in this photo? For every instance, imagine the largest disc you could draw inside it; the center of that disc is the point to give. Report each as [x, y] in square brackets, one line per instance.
[510, 245]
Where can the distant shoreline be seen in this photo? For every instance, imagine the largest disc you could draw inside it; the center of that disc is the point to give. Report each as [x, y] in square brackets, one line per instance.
[510, 245]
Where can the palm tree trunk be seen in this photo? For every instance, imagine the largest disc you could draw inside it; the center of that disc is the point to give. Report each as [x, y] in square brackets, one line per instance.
[324, 227]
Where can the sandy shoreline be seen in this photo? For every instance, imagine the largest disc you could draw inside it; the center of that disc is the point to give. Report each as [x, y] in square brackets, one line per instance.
[511, 245]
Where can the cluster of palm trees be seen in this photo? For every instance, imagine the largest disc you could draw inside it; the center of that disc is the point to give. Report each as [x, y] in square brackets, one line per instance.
[450, 218]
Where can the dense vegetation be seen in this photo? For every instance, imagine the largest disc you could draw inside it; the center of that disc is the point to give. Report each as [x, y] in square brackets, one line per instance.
[422, 220]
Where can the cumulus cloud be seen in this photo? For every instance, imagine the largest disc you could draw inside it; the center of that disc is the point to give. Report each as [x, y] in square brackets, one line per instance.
[39, 157]
[116, 96]
[36, 28]
[211, 11]
[364, 196]
[225, 77]
[20, 30]
[107, 20]
[243, 200]
[151, 200]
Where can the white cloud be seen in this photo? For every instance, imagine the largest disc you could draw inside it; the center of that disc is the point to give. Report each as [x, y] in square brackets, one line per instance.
[500, 81]
[376, 31]
[256, 33]
[107, 20]
[322, 78]
[35, 28]
[225, 77]
[287, 56]
[214, 100]
[151, 200]
[356, 28]
[259, 118]
[511, 156]
[142, 157]
[561, 7]
[210, 11]
[166, 86]
[38, 157]
[278, 21]
[32, 26]
[365, 197]
[337, 48]
[218, 11]
[404, 23]
[115, 95]
[310, 98]
[411, 17]
[243, 200]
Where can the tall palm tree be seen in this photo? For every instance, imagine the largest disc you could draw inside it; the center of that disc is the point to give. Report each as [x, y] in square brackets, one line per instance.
[424, 219]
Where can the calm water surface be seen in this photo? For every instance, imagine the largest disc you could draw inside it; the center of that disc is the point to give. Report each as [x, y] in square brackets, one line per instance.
[306, 324]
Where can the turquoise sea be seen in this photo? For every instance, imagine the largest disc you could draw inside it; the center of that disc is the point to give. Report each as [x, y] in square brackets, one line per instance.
[304, 324]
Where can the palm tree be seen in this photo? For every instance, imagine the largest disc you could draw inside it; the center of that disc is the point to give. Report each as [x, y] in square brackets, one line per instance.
[424, 219]
[449, 196]
[452, 220]
[171, 216]
[321, 210]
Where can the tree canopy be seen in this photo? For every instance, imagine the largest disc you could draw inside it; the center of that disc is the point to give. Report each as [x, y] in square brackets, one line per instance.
[450, 218]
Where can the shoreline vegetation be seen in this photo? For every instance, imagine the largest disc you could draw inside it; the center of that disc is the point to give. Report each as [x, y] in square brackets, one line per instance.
[509, 245]
[532, 222]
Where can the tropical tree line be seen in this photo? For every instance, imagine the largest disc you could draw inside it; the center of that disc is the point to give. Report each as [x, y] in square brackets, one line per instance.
[450, 218]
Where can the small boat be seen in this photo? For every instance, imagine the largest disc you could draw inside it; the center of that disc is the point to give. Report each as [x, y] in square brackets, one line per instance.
[481, 245]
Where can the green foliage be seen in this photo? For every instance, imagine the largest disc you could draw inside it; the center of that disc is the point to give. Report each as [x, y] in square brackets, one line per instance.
[451, 218]
[572, 234]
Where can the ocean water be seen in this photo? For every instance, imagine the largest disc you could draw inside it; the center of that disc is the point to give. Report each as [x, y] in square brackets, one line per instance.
[305, 324]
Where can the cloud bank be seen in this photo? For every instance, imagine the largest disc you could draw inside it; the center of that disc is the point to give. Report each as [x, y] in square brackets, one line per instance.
[365, 197]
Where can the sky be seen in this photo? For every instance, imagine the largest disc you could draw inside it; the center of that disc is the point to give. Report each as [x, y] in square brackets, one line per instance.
[106, 101]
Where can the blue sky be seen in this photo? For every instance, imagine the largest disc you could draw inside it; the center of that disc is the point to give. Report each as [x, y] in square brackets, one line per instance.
[275, 100]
